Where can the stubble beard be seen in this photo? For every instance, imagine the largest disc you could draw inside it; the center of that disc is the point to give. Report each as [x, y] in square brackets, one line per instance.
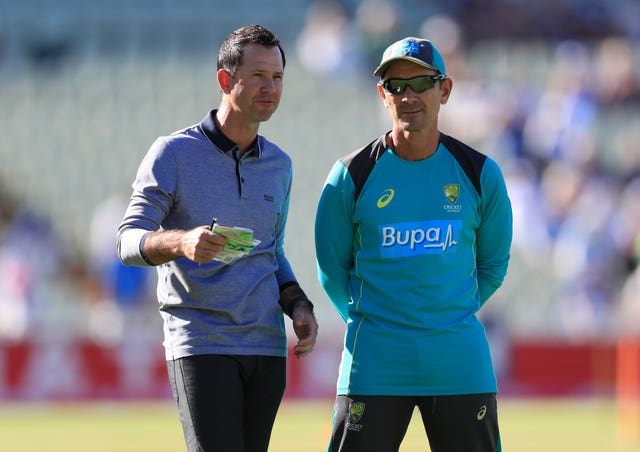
[412, 125]
[263, 114]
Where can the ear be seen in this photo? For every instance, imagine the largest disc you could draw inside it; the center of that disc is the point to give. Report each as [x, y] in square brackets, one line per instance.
[447, 87]
[225, 81]
[382, 95]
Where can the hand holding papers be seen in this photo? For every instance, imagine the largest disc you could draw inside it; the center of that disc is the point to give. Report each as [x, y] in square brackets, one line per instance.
[240, 242]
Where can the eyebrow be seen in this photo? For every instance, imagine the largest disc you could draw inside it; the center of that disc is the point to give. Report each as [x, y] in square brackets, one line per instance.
[262, 70]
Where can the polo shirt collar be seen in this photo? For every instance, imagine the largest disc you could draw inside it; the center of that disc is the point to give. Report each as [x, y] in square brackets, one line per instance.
[220, 140]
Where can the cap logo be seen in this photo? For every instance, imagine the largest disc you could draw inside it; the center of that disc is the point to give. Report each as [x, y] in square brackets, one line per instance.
[411, 47]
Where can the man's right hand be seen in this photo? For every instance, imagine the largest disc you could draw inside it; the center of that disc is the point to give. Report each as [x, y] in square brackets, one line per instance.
[198, 245]
[201, 245]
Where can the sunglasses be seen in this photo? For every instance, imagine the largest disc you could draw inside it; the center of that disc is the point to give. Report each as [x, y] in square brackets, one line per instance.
[417, 84]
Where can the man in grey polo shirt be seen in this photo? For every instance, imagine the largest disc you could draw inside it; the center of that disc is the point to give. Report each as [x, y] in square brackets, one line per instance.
[224, 333]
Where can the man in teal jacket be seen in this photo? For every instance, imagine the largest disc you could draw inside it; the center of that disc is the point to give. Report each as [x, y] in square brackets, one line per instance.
[413, 233]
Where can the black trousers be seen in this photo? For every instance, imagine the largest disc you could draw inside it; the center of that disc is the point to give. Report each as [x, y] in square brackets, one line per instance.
[460, 423]
[227, 403]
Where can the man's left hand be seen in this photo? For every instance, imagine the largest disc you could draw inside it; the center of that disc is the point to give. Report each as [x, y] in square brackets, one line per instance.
[306, 328]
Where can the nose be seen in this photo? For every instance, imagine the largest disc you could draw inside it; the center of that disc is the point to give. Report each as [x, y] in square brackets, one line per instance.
[271, 85]
[409, 94]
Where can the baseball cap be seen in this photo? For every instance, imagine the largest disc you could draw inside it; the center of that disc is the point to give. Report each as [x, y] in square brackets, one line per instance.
[416, 50]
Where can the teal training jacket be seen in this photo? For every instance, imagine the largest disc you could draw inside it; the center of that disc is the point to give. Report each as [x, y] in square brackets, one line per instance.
[408, 252]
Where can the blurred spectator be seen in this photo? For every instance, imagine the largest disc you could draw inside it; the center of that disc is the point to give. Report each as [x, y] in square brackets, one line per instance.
[326, 46]
[376, 22]
[15, 305]
[522, 20]
[629, 310]
[626, 234]
[124, 310]
[531, 234]
[625, 15]
[615, 73]
[588, 267]
[123, 290]
[2, 42]
[30, 259]
[445, 32]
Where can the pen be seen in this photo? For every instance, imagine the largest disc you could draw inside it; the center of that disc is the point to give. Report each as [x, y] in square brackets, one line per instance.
[214, 220]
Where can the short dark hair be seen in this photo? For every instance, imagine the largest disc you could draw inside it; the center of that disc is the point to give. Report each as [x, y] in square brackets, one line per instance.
[231, 50]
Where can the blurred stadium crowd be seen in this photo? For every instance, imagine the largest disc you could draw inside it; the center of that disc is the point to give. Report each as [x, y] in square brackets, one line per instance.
[549, 88]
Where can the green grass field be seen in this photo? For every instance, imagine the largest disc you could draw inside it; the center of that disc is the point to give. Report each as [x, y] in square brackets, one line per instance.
[527, 426]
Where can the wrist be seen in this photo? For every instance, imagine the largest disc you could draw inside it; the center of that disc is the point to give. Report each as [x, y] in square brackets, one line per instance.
[302, 303]
[292, 297]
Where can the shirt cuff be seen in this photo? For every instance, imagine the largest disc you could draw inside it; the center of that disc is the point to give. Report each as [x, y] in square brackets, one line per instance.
[130, 243]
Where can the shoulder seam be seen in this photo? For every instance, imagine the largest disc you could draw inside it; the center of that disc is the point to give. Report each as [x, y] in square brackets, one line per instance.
[360, 163]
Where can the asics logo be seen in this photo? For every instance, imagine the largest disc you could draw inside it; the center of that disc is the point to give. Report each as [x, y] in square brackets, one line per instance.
[386, 198]
[482, 413]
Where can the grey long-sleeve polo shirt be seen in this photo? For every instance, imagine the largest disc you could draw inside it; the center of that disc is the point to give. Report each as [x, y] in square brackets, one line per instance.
[184, 180]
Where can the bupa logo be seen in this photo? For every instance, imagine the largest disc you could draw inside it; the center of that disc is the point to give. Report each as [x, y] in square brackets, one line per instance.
[416, 238]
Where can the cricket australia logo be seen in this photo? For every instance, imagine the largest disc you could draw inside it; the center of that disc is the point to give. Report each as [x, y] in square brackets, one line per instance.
[356, 410]
[452, 193]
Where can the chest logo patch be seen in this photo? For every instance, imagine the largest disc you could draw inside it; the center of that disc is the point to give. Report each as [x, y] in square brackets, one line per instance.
[386, 198]
[452, 192]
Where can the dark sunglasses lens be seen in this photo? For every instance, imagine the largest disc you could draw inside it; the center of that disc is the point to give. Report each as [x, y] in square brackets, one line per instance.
[393, 86]
[417, 84]
[421, 84]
